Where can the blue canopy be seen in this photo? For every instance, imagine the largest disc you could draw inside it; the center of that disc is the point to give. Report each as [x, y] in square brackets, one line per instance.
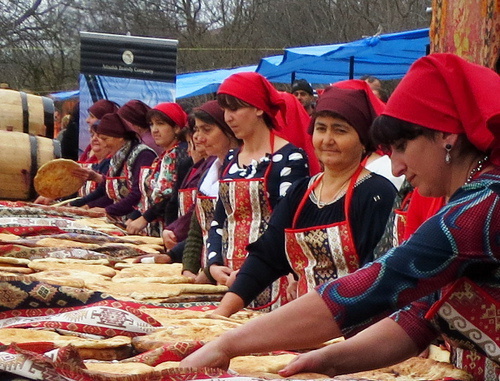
[386, 56]
[191, 84]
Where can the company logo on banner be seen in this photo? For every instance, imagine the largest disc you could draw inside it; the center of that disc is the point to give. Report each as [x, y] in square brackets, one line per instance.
[121, 68]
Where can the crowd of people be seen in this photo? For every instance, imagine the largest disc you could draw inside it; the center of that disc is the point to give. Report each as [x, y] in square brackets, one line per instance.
[287, 201]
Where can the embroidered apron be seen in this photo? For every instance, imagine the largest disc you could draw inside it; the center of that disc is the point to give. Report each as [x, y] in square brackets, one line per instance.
[146, 177]
[469, 318]
[205, 208]
[246, 203]
[89, 186]
[400, 220]
[187, 198]
[320, 253]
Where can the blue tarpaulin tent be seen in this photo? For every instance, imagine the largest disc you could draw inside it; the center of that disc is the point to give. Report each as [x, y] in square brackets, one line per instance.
[387, 56]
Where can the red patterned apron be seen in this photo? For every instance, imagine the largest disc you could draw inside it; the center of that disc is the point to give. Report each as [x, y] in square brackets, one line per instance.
[187, 198]
[320, 253]
[469, 318]
[154, 228]
[400, 221]
[205, 208]
[248, 211]
[89, 186]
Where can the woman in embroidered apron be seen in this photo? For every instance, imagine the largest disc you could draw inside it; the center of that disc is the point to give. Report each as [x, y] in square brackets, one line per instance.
[98, 162]
[442, 124]
[326, 226]
[256, 176]
[119, 193]
[176, 232]
[158, 181]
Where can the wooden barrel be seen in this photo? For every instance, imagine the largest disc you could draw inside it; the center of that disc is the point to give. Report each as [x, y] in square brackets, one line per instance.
[26, 113]
[20, 157]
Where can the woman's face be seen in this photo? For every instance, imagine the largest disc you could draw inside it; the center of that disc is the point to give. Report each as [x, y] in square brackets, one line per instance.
[91, 119]
[97, 147]
[244, 120]
[422, 161]
[110, 143]
[163, 133]
[214, 141]
[336, 143]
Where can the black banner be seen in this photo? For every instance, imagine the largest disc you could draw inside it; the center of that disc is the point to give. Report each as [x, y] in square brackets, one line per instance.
[144, 58]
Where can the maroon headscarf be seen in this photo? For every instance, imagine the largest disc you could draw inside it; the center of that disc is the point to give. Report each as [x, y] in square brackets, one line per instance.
[352, 102]
[114, 125]
[444, 92]
[213, 109]
[102, 107]
[135, 112]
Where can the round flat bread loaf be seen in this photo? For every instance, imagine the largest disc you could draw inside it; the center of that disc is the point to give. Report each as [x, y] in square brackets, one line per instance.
[54, 179]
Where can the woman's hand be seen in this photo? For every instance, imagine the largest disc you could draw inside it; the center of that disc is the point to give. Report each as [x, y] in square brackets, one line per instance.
[137, 225]
[232, 278]
[169, 239]
[202, 278]
[190, 275]
[43, 200]
[83, 173]
[210, 355]
[220, 273]
[315, 361]
[96, 209]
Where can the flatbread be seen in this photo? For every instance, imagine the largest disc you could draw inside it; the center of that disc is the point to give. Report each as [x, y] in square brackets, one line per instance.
[16, 269]
[96, 269]
[153, 270]
[8, 237]
[119, 368]
[54, 179]
[24, 335]
[69, 278]
[415, 368]
[254, 366]
[13, 261]
[63, 243]
[182, 330]
[144, 239]
[101, 261]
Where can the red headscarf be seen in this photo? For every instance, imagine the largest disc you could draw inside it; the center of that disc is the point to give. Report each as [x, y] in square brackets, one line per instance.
[287, 114]
[174, 112]
[444, 92]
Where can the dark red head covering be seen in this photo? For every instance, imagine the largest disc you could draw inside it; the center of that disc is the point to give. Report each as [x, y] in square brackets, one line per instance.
[135, 112]
[114, 125]
[102, 107]
[351, 100]
[174, 112]
[256, 90]
[444, 92]
[213, 109]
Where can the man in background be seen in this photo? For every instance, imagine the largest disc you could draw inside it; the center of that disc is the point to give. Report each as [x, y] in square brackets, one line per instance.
[304, 92]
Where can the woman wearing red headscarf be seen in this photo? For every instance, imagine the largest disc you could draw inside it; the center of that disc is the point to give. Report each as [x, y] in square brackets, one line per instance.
[158, 182]
[442, 124]
[328, 225]
[256, 175]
